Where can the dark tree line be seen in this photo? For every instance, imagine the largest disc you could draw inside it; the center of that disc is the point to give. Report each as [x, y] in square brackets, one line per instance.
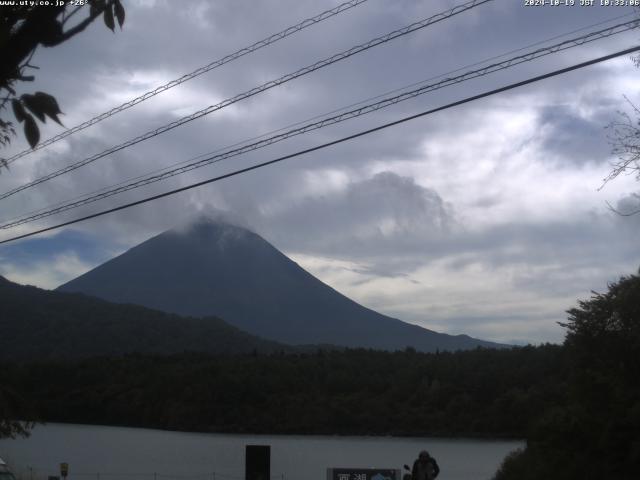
[473, 393]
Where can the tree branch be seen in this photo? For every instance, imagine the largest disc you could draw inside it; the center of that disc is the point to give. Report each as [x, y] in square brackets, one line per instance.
[622, 214]
[82, 25]
[67, 17]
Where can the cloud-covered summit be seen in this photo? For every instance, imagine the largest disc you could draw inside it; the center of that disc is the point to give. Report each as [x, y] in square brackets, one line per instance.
[485, 219]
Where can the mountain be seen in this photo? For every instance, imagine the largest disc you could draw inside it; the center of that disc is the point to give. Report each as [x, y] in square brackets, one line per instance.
[38, 324]
[214, 268]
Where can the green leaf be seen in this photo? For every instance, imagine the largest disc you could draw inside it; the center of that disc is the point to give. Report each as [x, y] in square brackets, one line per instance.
[5, 33]
[108, 19]
[118, 9]
[31, 131]
[95, 7]
[34, 106]
[48, 105]
[18, 110]
[50, 32]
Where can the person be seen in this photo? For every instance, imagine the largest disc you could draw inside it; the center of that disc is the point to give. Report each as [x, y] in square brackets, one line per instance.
[425, 467]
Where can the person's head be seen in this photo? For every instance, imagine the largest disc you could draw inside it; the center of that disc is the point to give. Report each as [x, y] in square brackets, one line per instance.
[424, 456]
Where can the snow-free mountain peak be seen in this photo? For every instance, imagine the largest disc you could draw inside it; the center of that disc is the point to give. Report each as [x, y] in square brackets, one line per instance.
[212, 267]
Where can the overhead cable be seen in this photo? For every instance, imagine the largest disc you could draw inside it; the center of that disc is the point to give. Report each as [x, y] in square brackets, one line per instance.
[256, 90]
[357, 112]
[328, 144]
[189, 76]
[322, 115]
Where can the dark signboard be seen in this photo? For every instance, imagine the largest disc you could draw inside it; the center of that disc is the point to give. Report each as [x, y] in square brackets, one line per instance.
[258, 462]
[362, 474]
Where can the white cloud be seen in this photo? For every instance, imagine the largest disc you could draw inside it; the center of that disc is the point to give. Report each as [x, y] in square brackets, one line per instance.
[46, 274]
[499, 303]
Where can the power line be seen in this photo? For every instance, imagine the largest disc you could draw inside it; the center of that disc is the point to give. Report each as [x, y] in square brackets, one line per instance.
[201, 162]
[167, 173]
[199, 71]
[300, 122]
[334, 142]
[315, 117]
[256, 90]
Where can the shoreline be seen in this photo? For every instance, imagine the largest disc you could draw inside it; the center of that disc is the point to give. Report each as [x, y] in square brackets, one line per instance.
[469, 437]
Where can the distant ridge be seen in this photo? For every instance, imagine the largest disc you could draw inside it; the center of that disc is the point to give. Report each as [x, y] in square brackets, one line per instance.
[215, 268]
[38, 324]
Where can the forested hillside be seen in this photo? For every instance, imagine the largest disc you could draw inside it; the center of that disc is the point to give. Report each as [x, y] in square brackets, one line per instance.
[38, 324]
[481, 392]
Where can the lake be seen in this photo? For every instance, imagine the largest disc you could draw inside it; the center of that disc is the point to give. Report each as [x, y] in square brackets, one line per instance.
[114, 453]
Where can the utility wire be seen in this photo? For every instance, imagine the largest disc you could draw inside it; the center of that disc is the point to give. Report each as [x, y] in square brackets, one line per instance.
[334, 142]
[315, 117]
[201, 162]
[256, 90]
[199, 71]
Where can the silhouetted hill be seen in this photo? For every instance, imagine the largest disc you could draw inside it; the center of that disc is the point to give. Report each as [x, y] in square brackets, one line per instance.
[214, 268]
[40, 324]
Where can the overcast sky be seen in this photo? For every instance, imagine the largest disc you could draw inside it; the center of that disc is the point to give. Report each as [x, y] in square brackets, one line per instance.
[485, 219]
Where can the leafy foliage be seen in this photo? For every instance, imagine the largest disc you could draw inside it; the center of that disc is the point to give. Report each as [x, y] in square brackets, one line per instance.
[596, 433]
[22, 29]
[12, 406]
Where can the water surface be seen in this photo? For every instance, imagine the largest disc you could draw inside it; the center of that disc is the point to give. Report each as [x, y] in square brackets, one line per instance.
[115, 453]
